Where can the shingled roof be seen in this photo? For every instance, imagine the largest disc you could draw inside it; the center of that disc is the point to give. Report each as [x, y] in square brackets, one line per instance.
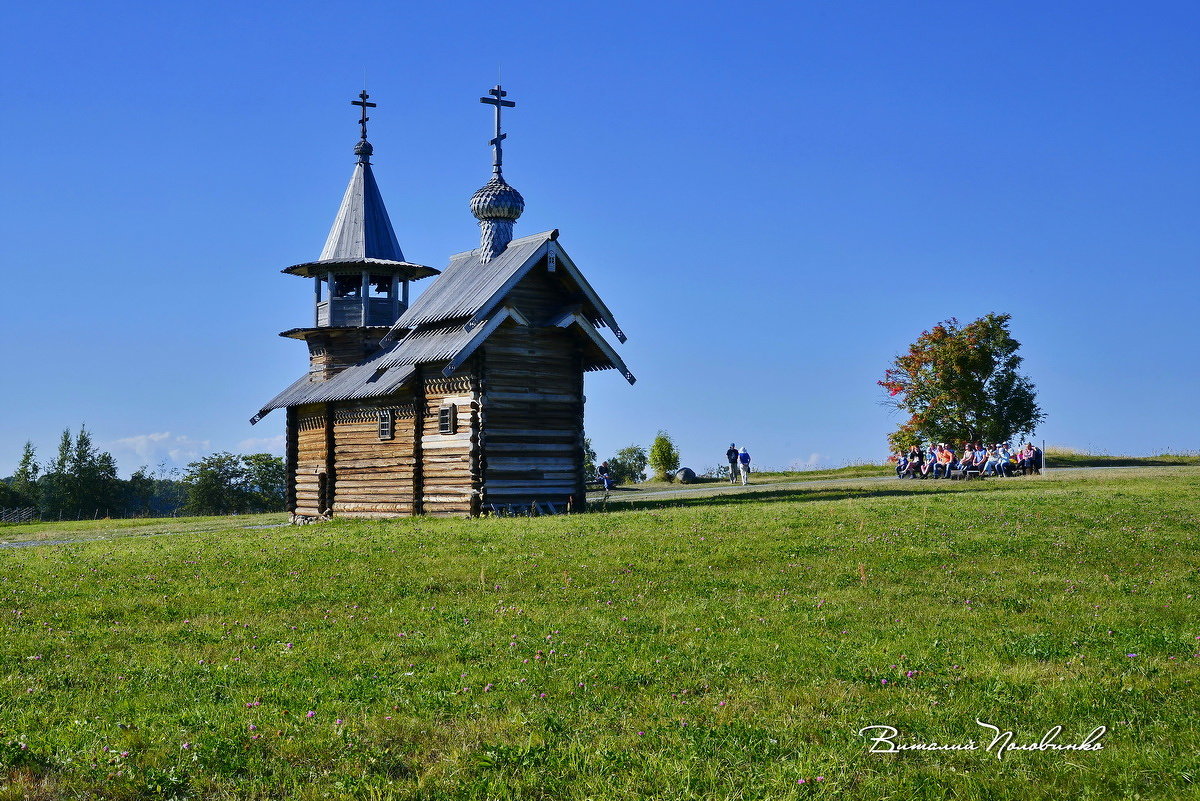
[471, 288]
[362, 228]
[390, 368]
[452, 318]
[362, 236]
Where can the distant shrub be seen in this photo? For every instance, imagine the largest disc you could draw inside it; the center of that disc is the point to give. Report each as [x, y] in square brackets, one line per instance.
[664, 457]
[629, 465]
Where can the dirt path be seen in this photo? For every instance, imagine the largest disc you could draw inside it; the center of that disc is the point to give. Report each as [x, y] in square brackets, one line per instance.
[702, 490]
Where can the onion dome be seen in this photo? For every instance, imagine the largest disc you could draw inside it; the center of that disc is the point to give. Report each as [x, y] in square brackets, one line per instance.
[363, 148]
[496, 200]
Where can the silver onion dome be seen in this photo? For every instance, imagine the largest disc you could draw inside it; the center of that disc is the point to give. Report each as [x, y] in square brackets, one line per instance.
[496, 200]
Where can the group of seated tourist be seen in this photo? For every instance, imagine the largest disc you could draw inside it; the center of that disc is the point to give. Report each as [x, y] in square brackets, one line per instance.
[941, 460]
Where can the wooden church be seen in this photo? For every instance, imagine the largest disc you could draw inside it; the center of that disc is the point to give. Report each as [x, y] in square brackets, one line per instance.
[467, 401]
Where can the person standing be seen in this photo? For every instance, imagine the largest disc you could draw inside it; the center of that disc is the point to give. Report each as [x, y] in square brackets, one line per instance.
[744, 464]
[731, 456]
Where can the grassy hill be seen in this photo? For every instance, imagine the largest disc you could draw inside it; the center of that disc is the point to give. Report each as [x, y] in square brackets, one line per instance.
[1068, 457]
[719, 648]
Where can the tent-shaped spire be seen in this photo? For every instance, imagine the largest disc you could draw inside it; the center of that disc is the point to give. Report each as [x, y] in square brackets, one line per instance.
[362, 228]
[362, 237]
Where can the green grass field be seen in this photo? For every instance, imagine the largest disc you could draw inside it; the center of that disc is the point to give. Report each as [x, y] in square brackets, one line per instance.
[710, 648]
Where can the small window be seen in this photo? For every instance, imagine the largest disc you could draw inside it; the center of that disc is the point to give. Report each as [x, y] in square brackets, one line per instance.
[448, 419]
[387, 420]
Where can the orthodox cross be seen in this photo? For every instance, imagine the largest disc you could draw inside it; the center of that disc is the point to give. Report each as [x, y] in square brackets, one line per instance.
[362, 101]
[497, 100]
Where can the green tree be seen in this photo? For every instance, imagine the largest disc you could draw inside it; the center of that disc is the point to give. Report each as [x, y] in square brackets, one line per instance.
[225, 483]
[24, 481]
[589, 459]
[139, 492]
[216, 485]
[961, 384]
[266, 481]
[82, 480]
[629, 465]
[664, 457]
[9, 498]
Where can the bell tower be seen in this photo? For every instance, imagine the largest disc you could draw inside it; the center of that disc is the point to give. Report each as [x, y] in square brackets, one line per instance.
[360, 281]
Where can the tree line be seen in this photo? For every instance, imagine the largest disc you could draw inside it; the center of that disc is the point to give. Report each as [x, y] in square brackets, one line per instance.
[81, 483]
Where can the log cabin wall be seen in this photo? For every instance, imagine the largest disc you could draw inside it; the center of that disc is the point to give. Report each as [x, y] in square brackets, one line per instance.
[374, 474]
[539, 294]
[450, 442]
[533, 402]
[333, 350]
[308, 480]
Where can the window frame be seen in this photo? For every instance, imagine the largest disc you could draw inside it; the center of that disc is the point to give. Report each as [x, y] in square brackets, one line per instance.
[448, 419]
[387, 424]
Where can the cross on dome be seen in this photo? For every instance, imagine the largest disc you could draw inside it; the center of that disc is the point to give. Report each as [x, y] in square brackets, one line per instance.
[497, 100]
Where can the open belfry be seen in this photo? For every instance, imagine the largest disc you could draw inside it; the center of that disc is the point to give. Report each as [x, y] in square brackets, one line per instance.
[468, 401]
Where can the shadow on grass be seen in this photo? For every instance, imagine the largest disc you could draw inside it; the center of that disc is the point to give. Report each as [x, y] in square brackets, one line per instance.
[796, 495]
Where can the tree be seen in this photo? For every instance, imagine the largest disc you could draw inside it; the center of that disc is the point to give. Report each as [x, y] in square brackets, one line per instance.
[664, 457]
[24, 481]
[589, 459]
[629, 465]
[266, 481]
[224, 483]
[139, 492]
[960, 384]
[216, 485]
[81, 481]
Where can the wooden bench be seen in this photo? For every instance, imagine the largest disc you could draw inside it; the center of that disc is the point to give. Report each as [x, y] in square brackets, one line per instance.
[958, 474]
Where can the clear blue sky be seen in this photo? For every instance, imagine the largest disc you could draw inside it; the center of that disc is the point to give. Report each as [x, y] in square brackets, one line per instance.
[774, 199]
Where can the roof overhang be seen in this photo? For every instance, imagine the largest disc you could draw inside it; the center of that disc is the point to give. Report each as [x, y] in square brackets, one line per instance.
[404, 269]
[574, 318]
[303, 333]
[484, 331]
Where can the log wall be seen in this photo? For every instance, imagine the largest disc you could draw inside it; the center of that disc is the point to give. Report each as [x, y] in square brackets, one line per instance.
[374, 477]
[333, 350]
[307, 481]
[533, 413]
[449, 462]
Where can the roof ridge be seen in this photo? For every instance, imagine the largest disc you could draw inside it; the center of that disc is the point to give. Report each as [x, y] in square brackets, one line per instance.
[551, 234]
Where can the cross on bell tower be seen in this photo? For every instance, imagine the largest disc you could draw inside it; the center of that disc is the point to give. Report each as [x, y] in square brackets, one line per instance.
[362, 101]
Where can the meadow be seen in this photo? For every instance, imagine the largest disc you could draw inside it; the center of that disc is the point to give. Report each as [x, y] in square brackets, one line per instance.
[709, 648]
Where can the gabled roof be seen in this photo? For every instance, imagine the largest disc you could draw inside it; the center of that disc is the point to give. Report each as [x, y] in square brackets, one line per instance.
[452, 318]
[472, 289]
[362, 228]
[391, 367]
[382, 373]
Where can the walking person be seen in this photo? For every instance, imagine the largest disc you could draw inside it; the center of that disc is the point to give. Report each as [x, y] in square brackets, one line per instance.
[731, 456]
[744, 464]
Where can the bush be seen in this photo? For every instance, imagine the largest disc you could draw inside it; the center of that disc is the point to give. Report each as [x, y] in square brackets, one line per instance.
[664, 457]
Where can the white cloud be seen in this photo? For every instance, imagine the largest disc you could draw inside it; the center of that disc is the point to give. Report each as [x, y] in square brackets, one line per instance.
[272, 445]
[154, 449]
[810, 463]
